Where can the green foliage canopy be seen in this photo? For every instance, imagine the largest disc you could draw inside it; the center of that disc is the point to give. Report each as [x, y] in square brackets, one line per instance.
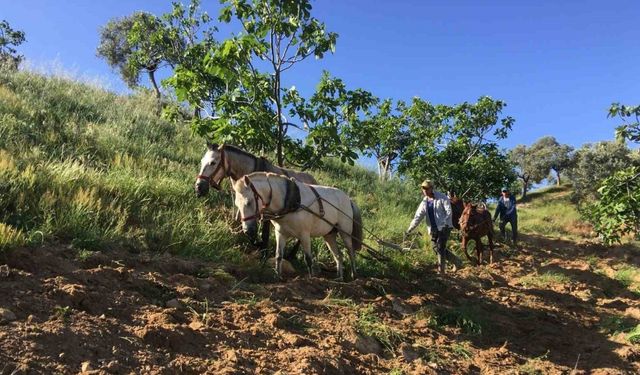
[456, 146]
[9, 39]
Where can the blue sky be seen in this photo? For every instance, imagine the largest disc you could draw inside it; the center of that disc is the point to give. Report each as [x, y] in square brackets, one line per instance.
[557, 64]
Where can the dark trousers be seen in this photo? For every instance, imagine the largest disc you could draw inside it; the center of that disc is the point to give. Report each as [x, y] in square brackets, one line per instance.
[439, 244]
[513, 220]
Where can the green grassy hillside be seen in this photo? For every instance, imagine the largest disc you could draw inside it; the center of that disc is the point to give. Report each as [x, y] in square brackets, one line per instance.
[85, 166]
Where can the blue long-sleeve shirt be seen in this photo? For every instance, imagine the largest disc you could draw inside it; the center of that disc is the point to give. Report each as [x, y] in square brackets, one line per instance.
[506, 208]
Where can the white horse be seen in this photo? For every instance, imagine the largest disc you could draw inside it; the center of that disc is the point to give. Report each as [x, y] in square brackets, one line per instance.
[302, 211]
[224, 161]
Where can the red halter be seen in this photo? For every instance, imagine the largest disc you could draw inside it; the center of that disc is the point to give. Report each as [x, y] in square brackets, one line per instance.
[257, 197]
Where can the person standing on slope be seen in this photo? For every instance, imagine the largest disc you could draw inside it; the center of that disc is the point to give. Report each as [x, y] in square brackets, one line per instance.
[436, 209]
[506, 209]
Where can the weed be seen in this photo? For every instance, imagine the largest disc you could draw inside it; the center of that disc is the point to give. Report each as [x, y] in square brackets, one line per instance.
[204, 315]
[62, 313]
[250, 300]
[544, 280]
[634, 335]
[369, 324]
[629, 276]
[396, 371]
[334, 298]
[10, 237]
[82, 255]
[461, 351]
[532, 366]
[466, 318]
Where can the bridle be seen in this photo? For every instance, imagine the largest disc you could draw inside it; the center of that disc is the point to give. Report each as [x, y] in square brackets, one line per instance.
[257, 197]
[222, 164]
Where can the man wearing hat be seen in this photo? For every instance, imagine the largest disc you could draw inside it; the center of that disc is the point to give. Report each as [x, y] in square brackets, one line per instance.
[507, 210]
[436, 208]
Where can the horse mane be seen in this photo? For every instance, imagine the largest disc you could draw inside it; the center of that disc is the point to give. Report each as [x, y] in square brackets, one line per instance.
[237, 150]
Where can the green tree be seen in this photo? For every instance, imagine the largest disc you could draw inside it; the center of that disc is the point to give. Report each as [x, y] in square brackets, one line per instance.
[593, 163]
[9, 39]
[238, 83]
[282, 33]
[549, 154]
[383, 135]
[630, 129]
[456, 146]
[527, 167]
[137, 44]
[617, 211]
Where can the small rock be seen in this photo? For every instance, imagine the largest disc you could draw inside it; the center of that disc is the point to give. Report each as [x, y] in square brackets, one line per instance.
[615, 303]
[368, 345]
[102, 317]
[174, 304]
[408, 353]
[6, 316]
[86, 367]
[61, 355]
[400, 307]
[113, 366]
[231, 356]
[631, 354]
[632, 312]
[196, 325]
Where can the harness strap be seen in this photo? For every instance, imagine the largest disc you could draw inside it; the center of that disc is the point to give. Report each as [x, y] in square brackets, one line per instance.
[260, 164]
[318, 198]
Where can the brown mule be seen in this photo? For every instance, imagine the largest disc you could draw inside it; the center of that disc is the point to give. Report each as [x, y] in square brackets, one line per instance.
[474, 222]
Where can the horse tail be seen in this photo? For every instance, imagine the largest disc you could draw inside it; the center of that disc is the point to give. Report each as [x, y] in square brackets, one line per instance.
[356, 231]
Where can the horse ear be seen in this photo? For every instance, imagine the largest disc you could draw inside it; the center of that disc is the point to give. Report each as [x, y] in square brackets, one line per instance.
[212, 146]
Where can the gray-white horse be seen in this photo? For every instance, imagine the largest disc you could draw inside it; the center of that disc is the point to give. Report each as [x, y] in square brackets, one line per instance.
[302, 211]
[224, 161]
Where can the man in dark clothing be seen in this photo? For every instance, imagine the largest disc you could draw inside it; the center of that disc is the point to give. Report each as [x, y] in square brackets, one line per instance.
[506, 209]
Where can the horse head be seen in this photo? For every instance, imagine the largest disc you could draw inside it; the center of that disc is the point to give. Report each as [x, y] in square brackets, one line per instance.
[466, 214]
[250, 200]
[212, 169]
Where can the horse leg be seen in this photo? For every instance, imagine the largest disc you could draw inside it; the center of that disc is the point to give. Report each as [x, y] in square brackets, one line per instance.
[281, 241]
[490, 236]
[332, 244]
[351, 252]
[264, 239]
[464, 248]
[479, 249]
[293, 252]
[308, 255]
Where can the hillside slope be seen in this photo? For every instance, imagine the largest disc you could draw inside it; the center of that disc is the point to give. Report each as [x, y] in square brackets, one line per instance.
[108, 263]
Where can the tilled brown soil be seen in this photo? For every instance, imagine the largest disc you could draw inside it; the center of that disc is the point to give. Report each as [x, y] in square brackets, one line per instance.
[126, 313]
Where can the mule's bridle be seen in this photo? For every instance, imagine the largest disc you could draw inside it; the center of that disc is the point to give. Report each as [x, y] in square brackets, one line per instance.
[257, 197]
[222, 164]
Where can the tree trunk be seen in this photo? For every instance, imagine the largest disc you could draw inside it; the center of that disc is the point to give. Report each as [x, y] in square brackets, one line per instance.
[525, 184]
[559, 182]
[383, 168]
[279, 141]
[152, 78]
